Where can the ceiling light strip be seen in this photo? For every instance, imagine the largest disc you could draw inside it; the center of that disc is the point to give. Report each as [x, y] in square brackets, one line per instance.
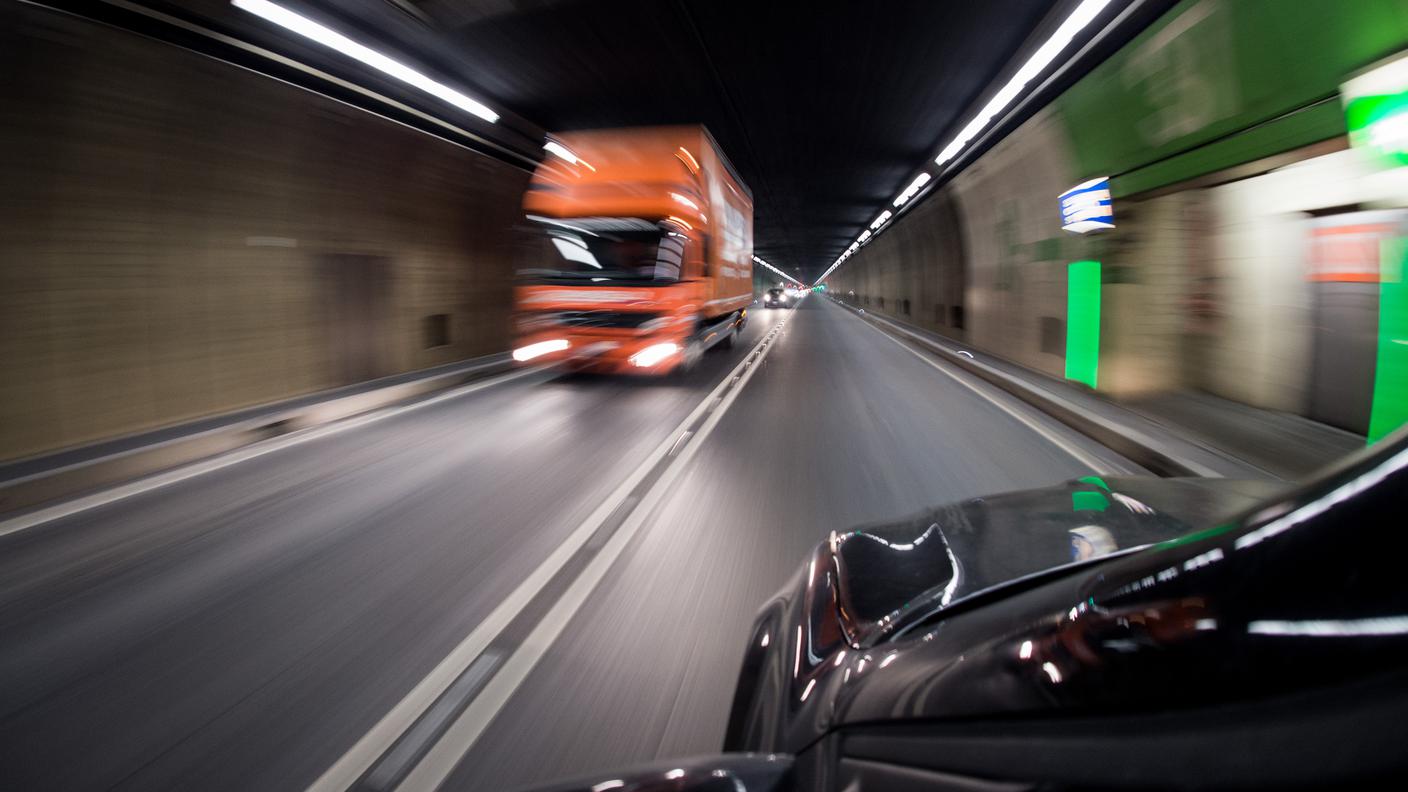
[777, 271]
[1080, 18]
[330, 38]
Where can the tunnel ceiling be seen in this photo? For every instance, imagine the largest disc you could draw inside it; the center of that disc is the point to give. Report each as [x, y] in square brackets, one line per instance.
[826, 108]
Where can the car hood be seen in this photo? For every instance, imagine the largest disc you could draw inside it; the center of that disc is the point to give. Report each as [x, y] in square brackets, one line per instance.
[891, 574]
[864, 587]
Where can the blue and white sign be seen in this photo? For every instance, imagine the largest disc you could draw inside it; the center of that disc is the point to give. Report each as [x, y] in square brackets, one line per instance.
[1086, 207]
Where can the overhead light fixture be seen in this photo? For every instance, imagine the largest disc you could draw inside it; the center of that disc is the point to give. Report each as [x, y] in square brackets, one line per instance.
[1079, 18]
[330, 38]
[778, 271]
[560, 151]
[881, 220]
[913, 189]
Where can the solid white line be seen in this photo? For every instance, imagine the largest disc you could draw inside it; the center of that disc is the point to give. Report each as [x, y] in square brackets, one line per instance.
[350, 767]
[1082, 456]
[440, 760]
[159, 480]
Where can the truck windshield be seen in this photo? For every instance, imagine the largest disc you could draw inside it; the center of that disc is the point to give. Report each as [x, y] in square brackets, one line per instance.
[599, 250]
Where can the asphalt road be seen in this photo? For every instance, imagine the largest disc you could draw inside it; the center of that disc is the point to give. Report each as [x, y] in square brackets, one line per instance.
[246, 628]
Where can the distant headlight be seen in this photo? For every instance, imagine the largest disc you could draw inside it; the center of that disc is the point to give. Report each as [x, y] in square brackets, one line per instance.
[539, 349]
[654, 354]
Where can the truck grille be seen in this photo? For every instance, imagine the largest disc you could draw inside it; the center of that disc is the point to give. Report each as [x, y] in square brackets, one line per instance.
[604, 318]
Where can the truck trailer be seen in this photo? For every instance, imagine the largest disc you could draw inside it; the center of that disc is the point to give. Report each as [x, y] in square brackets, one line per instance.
[640, 252]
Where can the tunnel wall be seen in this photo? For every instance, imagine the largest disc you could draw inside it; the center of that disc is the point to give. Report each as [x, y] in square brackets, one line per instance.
[181, 237]
[902, 281]
[1222, 148]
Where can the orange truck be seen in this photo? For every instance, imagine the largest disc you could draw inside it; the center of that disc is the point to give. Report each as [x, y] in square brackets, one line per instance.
[639, 256]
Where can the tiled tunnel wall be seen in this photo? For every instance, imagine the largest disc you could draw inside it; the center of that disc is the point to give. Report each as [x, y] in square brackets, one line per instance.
[182, 237]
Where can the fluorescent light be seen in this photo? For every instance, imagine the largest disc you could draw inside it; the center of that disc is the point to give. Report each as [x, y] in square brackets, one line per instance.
[881, 220]
[778, 271]
[1082, 16]
[913, 189]
[561, 151]
[331, 38]
[524, 354]
[1332, 628]
[1079, 18]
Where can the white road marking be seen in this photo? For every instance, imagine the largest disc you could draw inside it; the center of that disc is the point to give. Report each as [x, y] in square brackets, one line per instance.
[361, 756]
[255, 450]
[1082, 456]
[441, 760]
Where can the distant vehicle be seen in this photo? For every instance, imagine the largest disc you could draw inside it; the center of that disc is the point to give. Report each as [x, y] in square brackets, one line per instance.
[642, 252]
[778, 298]
[1085, 637]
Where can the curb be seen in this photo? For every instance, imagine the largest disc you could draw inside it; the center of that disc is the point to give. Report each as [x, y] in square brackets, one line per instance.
[62, 482]
[1131, 442]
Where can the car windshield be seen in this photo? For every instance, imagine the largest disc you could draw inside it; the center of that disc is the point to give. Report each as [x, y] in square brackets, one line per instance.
[774, 292]
[599, 250]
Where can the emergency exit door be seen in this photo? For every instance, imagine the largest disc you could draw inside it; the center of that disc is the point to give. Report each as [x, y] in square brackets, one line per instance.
[357, 306]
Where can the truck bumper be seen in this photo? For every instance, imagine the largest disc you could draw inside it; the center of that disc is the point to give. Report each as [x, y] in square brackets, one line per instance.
[640, 356]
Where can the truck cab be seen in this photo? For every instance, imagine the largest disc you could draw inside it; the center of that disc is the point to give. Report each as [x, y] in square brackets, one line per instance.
[639, 255]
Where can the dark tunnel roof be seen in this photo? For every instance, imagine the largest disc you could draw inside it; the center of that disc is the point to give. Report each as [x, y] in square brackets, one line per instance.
[826, 108]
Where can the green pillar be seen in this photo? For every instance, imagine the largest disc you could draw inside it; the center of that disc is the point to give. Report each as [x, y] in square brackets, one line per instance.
[1083, 321]
[1390, 407]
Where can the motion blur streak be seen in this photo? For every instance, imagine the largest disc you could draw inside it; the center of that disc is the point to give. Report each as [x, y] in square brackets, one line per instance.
[526, 353]
[315, 525]
[310, 475]
[1330, 628]
[331, 38]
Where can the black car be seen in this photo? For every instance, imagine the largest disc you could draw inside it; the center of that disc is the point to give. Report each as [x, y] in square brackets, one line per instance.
[1104, 634]
[777, 298]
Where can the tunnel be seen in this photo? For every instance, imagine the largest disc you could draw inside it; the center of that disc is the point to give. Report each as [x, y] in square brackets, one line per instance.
[474, 394]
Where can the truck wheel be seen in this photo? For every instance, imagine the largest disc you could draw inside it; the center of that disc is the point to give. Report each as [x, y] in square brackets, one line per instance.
[730, 339]
[693, 352]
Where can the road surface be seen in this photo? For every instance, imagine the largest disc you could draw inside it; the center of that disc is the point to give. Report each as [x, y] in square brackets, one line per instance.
[249, 627]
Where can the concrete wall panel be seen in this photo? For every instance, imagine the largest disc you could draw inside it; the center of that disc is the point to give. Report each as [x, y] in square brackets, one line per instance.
[167, 222]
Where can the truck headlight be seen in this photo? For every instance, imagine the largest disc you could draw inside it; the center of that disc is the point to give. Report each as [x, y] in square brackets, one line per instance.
[654, 354]
[526, 353]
